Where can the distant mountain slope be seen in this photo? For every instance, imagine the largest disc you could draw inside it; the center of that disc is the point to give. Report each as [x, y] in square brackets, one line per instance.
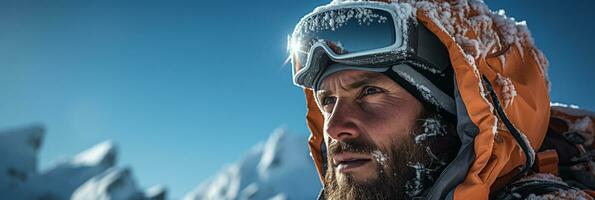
[91, 174]
[277, 169]
[280, 168]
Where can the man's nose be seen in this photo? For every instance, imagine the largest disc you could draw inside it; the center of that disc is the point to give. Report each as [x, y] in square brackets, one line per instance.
[342, 124]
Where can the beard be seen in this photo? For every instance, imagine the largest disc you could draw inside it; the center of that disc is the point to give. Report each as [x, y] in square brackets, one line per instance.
[404, 169]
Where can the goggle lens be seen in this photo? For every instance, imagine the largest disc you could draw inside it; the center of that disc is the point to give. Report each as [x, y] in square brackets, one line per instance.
[344, 31]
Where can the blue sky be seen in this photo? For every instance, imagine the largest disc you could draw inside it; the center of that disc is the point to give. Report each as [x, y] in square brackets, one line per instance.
[184, 87]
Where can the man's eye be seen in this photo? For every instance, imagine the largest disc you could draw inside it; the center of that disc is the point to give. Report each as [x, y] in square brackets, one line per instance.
[328, 100]
[371, 90]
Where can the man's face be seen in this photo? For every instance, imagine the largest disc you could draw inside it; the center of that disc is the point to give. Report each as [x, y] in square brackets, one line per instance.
[368, 124]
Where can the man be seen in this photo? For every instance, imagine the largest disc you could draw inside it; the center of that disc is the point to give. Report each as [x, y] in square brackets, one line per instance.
[425, 100]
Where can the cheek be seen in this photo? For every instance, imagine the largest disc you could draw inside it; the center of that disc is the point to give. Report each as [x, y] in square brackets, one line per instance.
[388, 119]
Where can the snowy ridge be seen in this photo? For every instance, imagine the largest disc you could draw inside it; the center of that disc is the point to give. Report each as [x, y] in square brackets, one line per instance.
[91, 174]
[77, 173]
[103, 153]
[571, 109]
[156, 192]
[18, 150]
[113, 183]
[278, 169]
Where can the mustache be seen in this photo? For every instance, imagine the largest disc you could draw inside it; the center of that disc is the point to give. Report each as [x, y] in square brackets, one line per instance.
[357, 145]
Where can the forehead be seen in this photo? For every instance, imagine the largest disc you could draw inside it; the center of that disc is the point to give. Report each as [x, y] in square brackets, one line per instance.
[349, 79]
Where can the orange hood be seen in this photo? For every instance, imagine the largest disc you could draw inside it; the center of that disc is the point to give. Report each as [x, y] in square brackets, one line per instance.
[480, 43]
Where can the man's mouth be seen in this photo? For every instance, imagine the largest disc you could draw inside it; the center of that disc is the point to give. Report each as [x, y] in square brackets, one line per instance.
[346, 162]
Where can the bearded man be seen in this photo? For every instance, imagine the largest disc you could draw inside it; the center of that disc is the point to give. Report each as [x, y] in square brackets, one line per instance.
[401, 103]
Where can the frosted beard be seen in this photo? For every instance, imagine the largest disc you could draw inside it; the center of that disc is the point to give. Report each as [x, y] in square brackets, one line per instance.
[405, 169]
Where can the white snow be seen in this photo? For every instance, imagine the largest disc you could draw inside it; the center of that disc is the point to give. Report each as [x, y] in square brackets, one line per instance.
[508, 90]
[431, 128]
[571, 109]
[249, 191]
[380, 157]
[495, 127]
[429, 69]
[278, 169]
[531, 152]
[103, 153]
[406, 13]
[558, 104]
[415, 186]
[279, 197]
[335, 19]
[425, 91]
[494, 30]
[18, 154]
[103, 156]
[507, 31]
[19, 178]
[156, 192]
[114, 183]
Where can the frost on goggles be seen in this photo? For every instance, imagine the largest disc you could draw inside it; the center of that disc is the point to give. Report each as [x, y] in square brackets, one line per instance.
[344, 31]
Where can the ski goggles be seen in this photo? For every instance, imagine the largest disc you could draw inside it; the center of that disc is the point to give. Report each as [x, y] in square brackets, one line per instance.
[369, 34]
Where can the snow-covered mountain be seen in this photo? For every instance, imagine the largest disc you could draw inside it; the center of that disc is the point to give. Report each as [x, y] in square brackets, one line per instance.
[278, 169]
[18, 164]
[92, 174]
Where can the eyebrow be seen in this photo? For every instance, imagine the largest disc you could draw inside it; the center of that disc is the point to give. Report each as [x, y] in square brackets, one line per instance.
[366, 79]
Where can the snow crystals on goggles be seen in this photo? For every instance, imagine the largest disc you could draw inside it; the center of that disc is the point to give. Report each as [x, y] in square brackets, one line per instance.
[342, 29]
[357, 33]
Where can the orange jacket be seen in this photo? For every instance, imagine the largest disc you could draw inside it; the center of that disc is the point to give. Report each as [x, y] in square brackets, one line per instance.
[480, 43]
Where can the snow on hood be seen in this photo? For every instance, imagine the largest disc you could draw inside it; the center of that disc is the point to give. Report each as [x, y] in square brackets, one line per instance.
[277, 169]
[495, 27]
[482, 45]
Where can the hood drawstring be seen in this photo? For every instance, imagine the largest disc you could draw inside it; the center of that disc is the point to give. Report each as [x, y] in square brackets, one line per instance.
[524, 144]
[509, 192]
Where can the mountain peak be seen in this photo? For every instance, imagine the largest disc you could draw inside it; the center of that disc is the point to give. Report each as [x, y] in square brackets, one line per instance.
[279, 168]
[18, 150]
[102, 153]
